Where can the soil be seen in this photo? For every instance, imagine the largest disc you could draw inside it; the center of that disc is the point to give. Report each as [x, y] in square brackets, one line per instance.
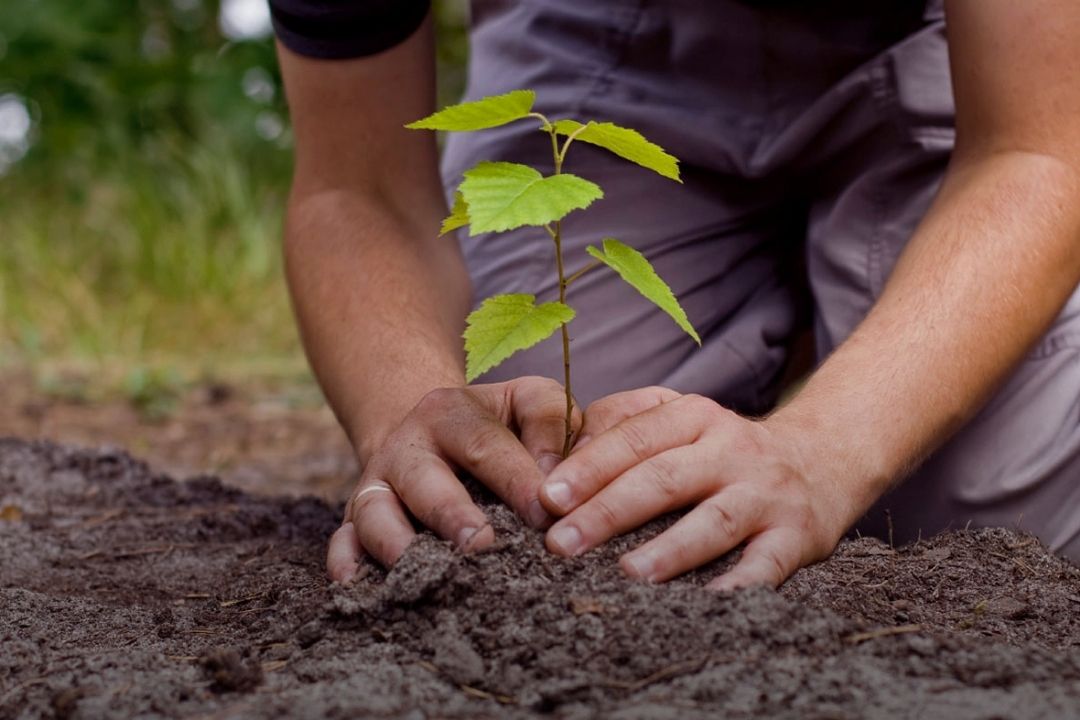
[260, 436]
[126, 593]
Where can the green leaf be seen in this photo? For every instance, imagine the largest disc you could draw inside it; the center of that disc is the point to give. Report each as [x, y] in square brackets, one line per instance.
[624, 142]
[480, 114]
[459, 216]
[636, 270]
[503, 196]
[504, 324]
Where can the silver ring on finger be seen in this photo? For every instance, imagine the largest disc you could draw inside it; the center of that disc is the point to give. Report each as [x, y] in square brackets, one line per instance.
[376, 487]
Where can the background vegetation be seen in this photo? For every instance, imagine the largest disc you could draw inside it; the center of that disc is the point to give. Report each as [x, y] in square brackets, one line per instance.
[144, 161]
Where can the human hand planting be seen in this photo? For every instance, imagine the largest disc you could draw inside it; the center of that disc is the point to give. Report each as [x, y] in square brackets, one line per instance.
[647, 452]
[507, 435]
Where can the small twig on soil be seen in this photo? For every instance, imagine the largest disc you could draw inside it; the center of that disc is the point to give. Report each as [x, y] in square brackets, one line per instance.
[202, 631]
[182, 658]
[883, 632]
[1024, 566]
[662, 674]
[1020, 545]
[273, 665]
[135, 552]
[484, 695]
[197, 596]
[238, 601]
[469, 689]
[102, 518]
[249, 611]
[273, 645]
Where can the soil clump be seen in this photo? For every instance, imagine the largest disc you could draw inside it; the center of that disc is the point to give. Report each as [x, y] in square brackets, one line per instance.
[126, 593]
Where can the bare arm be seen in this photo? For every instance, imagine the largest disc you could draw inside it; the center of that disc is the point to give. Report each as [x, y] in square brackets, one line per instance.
[989, 268]
[987, 271]
[380, 299]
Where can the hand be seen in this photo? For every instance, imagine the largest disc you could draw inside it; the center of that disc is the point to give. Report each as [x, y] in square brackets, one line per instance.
[647, 452]
[472, 429]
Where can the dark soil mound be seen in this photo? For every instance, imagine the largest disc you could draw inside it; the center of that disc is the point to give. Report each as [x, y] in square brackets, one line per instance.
[125, 593]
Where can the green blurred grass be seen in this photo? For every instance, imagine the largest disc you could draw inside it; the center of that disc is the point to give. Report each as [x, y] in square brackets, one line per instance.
[173, 263]
[140, 235]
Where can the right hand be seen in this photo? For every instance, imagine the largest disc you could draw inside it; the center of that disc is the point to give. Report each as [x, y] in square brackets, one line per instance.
[472, 429]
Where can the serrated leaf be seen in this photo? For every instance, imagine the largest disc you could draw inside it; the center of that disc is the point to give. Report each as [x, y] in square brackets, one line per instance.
[624, 142]
[505, 324]
[480, 114]
[459, 216]
[503, 196]
[636, 270]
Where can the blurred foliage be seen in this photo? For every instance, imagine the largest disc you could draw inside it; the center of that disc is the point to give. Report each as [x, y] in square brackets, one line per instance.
[142, 225]
[109, 82]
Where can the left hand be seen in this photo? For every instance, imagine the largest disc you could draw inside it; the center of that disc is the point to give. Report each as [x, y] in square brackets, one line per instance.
[647, 452]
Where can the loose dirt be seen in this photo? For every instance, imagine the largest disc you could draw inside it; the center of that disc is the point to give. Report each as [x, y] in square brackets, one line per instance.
[125, 593]
[261, 436]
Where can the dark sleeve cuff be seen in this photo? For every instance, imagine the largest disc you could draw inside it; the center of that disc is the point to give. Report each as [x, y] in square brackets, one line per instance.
[340, 29]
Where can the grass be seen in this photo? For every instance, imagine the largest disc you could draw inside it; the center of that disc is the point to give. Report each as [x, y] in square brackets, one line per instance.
[133, 261]
[168, 265]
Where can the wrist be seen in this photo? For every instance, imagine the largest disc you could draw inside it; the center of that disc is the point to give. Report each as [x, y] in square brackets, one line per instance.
[847, 473]
[370, 424]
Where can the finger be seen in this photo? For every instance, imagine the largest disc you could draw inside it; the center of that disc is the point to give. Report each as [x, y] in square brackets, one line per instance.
[433, 494]
[669, 481]
[609, 411]
[379, 521]
[629, 443]
[539, 411]
[705, 533]
[474, 439]
[343, 554]
[769, 560]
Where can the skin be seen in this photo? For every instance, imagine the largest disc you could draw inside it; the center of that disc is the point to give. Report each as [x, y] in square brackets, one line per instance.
[982, 279]
[989, 268]
[364, 261]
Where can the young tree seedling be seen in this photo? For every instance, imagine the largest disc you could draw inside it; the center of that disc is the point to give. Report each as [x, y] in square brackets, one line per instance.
[501, 196]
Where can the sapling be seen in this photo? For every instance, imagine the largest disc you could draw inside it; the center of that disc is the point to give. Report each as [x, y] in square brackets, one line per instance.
[501, 196]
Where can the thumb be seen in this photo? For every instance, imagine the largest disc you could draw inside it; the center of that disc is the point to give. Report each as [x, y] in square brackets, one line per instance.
[538, 407]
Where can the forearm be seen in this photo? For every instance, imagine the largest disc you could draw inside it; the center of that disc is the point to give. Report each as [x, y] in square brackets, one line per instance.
[381, 302]
[379, 297]
[982, 279]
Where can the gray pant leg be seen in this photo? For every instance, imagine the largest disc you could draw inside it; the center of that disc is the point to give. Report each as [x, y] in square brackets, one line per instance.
[1017, 463]
[851, 111]
[713, 238]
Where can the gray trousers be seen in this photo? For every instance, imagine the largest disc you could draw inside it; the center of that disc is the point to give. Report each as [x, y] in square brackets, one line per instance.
[813, 137]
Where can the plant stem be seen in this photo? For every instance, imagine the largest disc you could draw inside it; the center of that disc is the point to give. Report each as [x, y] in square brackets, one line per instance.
[556, 236]
[591, 266]
[565, 345]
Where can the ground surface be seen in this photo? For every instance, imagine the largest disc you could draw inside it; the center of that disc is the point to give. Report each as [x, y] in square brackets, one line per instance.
[123, 592]
[263, 437]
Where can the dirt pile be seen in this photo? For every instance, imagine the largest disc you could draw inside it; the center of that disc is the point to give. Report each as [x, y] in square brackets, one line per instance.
[123, 592]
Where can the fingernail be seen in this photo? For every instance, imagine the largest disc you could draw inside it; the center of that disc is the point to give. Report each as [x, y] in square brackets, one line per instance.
[537, 516]
[548, 462]
[464, 536]
[560, 495]
[641, 565]
[566, 538]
